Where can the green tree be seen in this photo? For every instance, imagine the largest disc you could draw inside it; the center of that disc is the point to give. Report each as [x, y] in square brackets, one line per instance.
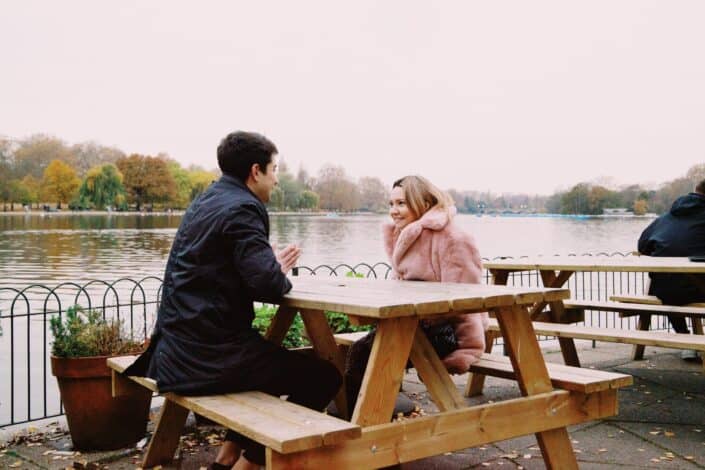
[6, 171]
[575, 201]
[32, 187]
[182, 184]
[102, 187]
[199, 181]
[308, 200]
[146, 179]
[60, 182]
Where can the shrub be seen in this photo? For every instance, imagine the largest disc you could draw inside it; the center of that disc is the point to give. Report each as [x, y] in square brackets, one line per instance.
[294, 337]
[85, 334]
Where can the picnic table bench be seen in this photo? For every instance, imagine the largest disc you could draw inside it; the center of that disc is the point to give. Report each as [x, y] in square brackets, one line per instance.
[550, 401]
[564, 377]
[555, 272]
[278, 424]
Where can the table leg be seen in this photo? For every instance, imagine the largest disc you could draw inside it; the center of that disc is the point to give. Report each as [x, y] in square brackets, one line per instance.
[476, 382]
[385, 370]
[321, 337]
[281, 322]
[644, 324]
[557, 313]
[533, 378]
[434, 374]
[165, 439]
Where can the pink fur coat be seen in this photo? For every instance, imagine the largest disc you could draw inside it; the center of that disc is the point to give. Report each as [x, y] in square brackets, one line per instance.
[434, 248]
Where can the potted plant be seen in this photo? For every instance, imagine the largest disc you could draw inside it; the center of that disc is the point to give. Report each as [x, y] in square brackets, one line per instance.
[82, 343]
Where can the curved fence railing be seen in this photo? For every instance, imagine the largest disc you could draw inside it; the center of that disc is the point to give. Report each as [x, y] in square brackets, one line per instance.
[28, 391]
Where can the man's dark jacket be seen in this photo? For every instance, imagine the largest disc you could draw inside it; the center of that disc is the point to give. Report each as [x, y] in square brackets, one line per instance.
[679, 232]
[220, 262]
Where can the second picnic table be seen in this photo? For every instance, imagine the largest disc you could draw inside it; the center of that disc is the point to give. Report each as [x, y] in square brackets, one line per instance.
[556, 270]
[396, 307]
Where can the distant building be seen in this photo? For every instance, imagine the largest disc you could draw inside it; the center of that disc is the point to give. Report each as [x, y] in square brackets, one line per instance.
[616, 211]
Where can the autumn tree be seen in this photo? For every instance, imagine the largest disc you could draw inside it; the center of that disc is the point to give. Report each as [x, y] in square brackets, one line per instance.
[336, 190]
[88, 155]
[640, 207]
[102, 187]
[60, 182]
[6, 171]
[374, 196]
[147, 179]
[34, 154]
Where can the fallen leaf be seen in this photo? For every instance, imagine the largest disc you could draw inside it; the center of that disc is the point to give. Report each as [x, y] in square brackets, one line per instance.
[669, 434]
[689, 457]
[527, 456]
[16, 464]
[602, 450]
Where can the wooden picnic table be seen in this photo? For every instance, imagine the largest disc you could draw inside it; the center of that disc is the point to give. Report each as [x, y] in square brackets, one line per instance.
[396, 307]
[556, 270]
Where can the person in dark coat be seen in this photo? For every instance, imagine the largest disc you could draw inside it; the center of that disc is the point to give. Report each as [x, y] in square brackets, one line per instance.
[679, 232]
[220, 263]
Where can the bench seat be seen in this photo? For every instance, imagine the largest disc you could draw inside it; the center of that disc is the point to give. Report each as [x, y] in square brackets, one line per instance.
[565, 377]
[633, 308]
[576, 379]
[278, 424]
[616, 335]
[648, 300]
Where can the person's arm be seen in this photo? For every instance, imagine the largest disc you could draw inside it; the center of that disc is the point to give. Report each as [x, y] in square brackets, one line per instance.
[645, 246]
[460, 260]
[253, 256]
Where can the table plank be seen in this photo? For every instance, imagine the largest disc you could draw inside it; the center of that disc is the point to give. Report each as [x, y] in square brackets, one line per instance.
[655, 264]
[387, 299]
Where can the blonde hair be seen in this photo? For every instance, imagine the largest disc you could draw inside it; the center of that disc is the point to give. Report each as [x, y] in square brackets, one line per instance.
[421, 195]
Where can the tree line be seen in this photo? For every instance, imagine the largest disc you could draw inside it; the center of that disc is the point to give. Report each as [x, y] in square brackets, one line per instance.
[45, 169]
[585, 198]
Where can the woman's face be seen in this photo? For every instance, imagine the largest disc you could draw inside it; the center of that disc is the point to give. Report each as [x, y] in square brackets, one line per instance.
[399, 210]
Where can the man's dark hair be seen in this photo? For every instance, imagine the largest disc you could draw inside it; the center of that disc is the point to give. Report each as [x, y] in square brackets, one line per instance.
[239, 150]
[700, 187]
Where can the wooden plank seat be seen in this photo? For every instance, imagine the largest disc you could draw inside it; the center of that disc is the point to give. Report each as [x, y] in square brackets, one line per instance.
[643, 306]
[564, 377]
[278, 424]
[648, 300]
[616, 335]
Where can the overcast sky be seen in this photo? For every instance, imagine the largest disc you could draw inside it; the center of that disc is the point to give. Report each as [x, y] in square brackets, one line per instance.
[505, 96]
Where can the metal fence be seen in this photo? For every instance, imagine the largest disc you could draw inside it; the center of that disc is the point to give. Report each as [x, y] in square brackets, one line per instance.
[28, 390]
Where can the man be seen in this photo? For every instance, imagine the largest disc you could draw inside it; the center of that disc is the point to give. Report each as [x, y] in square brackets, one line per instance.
[220, 262]
[679, 232]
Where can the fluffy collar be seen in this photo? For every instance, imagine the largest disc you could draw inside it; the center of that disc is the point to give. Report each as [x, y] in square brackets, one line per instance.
[397, 242]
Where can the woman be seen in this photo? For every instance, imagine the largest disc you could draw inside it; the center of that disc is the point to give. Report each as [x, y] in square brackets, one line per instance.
[424, 243]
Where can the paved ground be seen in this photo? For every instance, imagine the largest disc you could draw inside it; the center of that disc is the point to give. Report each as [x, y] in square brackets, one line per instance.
[661, 424]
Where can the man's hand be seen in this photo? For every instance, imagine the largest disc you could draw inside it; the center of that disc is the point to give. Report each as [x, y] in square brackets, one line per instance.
[287, 256]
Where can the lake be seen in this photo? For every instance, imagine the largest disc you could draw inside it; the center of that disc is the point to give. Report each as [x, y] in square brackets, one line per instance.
[54, 248]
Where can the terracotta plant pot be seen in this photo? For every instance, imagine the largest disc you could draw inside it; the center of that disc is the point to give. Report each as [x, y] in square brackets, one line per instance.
[96, 420]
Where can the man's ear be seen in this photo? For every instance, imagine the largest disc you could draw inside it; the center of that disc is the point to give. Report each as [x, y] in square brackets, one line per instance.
[255, 171]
